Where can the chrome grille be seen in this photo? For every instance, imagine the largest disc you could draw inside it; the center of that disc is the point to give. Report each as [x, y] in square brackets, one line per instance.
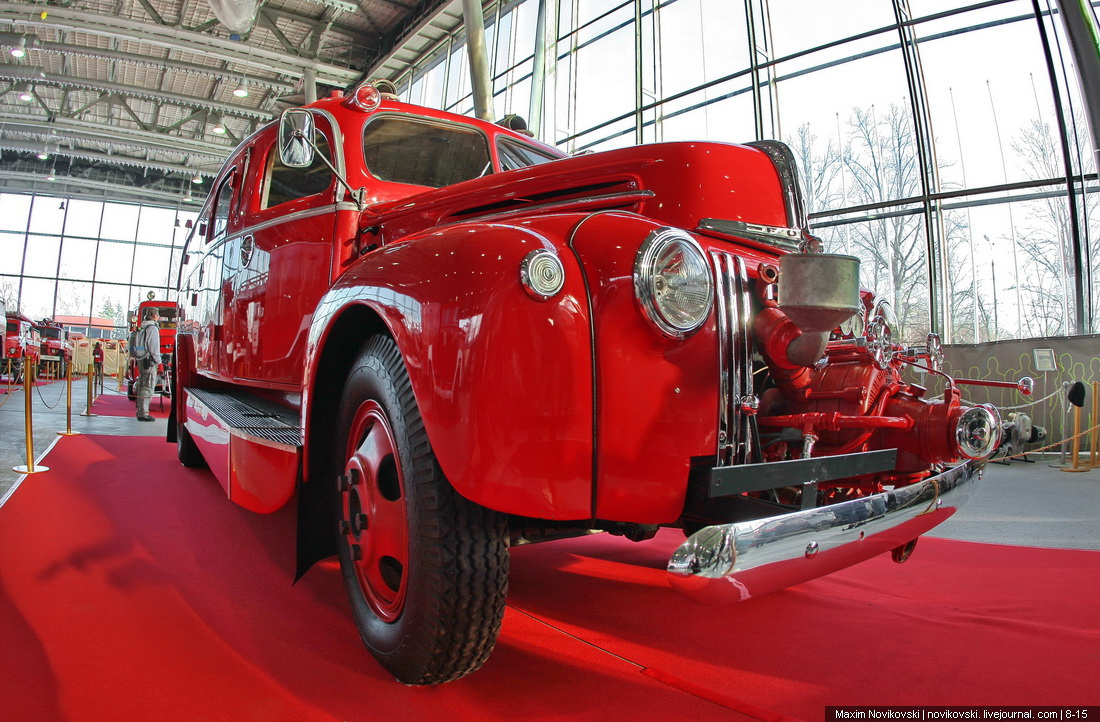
[734, 313]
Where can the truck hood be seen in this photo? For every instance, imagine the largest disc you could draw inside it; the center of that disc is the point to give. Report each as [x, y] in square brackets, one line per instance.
[678, 184]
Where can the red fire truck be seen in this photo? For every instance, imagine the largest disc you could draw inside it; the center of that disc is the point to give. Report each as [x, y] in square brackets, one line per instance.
[21, 346]
[443, 337]
[169, 317]
[56, 347]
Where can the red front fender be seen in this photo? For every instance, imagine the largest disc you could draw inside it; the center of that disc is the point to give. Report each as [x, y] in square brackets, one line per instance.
[503, 381]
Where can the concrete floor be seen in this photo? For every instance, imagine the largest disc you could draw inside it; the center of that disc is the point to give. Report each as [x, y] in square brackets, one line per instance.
[1029, 504]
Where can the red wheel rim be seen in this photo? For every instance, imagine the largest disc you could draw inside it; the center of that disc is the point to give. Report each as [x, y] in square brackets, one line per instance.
[374, 520]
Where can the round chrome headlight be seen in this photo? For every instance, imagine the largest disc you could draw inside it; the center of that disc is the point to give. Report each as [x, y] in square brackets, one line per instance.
[978, 431]
[542, 274]
[672, 282]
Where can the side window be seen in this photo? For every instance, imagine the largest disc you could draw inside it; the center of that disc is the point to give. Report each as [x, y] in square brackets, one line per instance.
[282, 184]
[517, 155]
[222, 207]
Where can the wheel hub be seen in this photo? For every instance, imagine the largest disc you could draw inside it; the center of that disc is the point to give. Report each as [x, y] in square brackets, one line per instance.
[374, 517]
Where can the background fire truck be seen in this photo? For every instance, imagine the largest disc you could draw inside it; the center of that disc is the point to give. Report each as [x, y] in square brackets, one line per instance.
[56, 347]
[169, 314]
[21, 346]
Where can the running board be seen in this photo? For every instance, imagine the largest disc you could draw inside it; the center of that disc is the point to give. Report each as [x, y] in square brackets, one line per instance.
[252, 445]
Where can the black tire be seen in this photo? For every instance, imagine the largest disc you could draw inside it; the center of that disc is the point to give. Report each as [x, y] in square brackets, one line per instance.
[130, 392]
[186, 450]
[426, 570]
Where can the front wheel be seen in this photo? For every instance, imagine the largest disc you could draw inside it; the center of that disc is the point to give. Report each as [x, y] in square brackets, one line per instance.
[426, 570]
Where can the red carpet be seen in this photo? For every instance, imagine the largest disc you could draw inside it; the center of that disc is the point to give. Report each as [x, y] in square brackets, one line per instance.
[113, 403]
[6, 387]
[132, 590]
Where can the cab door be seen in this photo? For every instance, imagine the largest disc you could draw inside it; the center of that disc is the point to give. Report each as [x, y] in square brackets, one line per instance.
[209, 292]
[282, 260]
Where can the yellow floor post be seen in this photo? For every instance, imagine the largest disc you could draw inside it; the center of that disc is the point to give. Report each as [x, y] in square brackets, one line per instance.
[29, 467]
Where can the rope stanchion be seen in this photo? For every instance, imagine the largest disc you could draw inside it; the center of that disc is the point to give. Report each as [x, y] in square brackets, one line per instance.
[1076, 398]
[69, 404]
[29, 467]
[91, 383]
[1075, 453]
[1094, 453]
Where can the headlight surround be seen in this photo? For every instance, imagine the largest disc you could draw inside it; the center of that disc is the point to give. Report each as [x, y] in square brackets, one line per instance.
[978, 432]
[672, 281]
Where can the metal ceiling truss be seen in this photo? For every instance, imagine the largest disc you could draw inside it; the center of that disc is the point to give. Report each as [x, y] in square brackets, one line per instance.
[147, 93]
[139, 95]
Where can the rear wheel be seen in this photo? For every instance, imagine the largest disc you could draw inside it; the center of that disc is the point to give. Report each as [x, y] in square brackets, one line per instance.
[426, 570]
[186, 450]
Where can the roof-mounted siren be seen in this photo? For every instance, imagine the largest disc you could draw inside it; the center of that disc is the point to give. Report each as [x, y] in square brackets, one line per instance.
[368, 96]
[516, 123]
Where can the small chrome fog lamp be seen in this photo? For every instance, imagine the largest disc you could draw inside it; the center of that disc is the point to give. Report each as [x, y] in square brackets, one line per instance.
[542, 274]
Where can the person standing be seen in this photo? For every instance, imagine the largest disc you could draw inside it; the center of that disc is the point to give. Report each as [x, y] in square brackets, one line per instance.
[97, 357]
[149, 337]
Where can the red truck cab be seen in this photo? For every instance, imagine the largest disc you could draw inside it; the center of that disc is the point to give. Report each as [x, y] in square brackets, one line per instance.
[443, 337]
[22, 345]
[56, 347]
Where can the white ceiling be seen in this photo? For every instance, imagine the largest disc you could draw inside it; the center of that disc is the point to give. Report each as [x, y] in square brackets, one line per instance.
[125, 94]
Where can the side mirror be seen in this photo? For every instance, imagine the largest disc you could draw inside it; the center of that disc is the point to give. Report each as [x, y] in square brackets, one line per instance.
[296, 134]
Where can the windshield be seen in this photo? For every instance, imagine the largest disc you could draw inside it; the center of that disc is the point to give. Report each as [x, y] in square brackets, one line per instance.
[167, 317]
[405, 150]
[514, 154]
[49, 332]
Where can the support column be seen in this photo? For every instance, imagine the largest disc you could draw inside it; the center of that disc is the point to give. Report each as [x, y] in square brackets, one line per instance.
[474, 20]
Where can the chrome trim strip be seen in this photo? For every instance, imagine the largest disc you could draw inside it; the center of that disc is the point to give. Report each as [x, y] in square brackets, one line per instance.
[734, 562]
[582, 203]
[785, 238]
[743, 340]
[723, 298]
[324, 210]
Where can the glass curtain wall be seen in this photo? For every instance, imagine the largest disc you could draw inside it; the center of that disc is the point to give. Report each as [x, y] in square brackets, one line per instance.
[944, 144]
[87, 259]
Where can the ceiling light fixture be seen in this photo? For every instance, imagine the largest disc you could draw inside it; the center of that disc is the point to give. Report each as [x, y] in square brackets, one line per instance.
[19, 50]
[23, 90]
[197, 180]
[241, 91]
[218, 125]
[43, 154]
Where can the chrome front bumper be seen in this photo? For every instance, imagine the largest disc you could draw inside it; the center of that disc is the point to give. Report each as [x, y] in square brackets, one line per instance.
[734, 562]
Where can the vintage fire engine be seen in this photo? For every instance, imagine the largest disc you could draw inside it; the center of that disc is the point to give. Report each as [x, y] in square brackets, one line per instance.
[56, 347]
[21, 346]
[445, 338]
[169, 317]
